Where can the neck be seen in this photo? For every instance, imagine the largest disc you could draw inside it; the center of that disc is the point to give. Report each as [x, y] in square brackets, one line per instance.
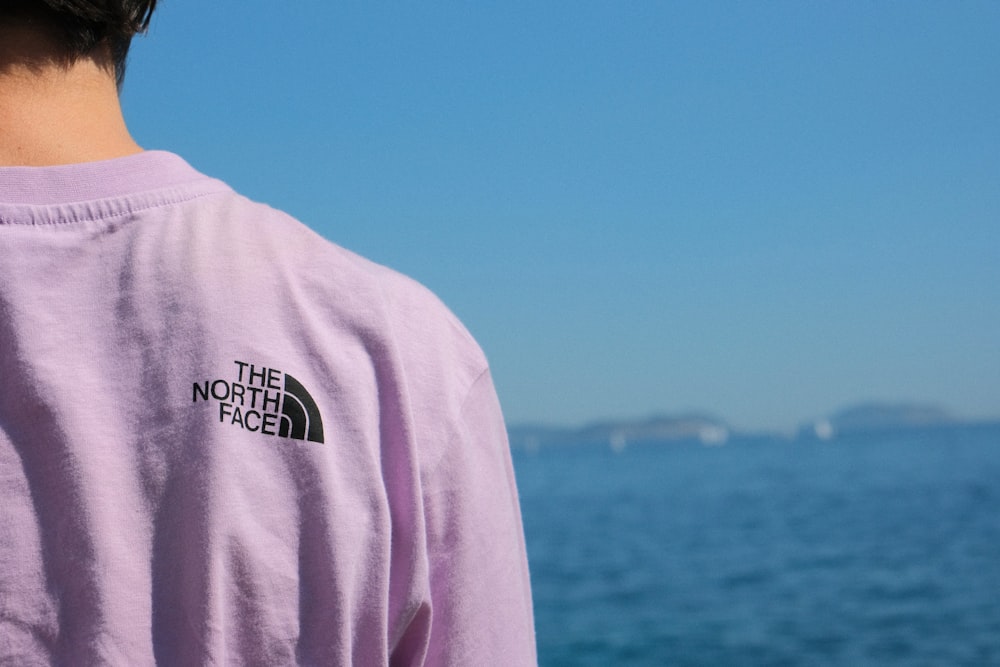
[54, 111]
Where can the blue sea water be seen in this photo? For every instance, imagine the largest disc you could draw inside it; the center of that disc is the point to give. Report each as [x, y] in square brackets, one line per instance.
[876, 550]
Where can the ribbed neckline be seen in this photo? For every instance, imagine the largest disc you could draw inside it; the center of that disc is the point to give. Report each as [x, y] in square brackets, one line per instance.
[87, 181]
[89, 190]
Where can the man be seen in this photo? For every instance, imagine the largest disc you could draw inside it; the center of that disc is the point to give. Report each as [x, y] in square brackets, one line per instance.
[223, 440]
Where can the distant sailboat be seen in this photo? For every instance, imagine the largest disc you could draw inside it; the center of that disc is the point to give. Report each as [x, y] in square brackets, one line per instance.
[713, 436]
[823, 429]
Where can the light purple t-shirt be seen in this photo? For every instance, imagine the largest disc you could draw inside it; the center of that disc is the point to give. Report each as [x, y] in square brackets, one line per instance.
[224, 440]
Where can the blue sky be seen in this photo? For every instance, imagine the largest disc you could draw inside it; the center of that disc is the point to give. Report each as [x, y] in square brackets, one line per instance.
[762, 210]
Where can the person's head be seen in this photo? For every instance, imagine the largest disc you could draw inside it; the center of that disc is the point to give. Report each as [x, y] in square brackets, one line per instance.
[82, 27]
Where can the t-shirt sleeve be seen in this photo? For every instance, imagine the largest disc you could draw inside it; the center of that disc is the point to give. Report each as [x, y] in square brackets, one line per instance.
[480, 607]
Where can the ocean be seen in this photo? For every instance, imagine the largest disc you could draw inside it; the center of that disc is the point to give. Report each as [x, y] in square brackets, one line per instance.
[881, 549]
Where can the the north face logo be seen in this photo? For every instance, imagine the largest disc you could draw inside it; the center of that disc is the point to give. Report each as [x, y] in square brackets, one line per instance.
[264, 400]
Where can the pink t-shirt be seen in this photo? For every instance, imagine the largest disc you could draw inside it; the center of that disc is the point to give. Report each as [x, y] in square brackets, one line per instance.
[225, 440]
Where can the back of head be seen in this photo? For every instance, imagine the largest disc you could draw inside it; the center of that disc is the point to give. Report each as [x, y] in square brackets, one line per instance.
[81, 26]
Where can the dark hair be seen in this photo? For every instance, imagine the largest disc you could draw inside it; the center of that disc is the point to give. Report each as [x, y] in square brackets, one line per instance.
[86, 24]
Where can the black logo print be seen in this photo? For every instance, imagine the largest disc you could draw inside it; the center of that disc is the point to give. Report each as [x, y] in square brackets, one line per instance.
[264, 400]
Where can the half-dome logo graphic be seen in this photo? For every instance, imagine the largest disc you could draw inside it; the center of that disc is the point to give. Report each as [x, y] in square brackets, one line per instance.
[264, 400]
[300, 418]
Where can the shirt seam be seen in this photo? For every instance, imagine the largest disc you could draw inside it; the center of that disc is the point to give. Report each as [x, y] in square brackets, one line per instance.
[459, 423]
[127, 210]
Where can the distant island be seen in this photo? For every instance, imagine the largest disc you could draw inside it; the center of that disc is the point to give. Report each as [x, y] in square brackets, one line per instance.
[706, 429]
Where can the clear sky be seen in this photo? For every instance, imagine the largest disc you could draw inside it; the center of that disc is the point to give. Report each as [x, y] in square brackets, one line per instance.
[764, 210]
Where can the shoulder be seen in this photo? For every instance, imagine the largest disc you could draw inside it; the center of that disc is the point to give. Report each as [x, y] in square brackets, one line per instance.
[394, 315]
